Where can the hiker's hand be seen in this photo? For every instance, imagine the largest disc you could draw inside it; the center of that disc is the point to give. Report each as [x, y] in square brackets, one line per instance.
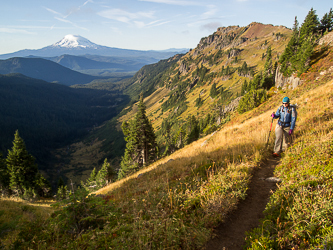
[273, 115]
[290, 131]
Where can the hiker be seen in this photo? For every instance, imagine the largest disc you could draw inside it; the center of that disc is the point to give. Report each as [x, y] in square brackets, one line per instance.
[287, 116]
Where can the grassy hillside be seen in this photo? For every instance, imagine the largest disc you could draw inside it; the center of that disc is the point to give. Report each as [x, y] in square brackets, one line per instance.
[172, 86]
[177, 201]
[216, 60]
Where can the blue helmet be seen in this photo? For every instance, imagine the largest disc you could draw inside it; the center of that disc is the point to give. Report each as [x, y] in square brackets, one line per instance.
[286, 99]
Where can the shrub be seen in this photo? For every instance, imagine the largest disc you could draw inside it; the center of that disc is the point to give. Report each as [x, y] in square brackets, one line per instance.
[251, 100]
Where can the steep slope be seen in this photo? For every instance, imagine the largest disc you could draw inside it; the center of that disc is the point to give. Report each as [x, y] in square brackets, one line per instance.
[107, 141]
[179, 200]
[50, 115]
[172, 86]
[45, 70]
[218, 59]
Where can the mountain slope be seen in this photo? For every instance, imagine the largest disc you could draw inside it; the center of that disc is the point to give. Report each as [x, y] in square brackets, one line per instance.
[171, 87]
[218, 59]
[50, 115]
[179, 200]
[45, 70]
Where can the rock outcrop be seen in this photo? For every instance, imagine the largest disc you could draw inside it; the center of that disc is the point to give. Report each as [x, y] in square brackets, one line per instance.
[327, 39]
[283, 82]
[232, 106]
[183, 68]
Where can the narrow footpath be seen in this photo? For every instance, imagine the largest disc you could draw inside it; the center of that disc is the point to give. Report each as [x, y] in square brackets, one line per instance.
[231, 233]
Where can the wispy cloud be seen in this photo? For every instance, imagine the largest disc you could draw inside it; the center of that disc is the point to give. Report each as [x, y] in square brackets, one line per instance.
[212, 10]
[67, 21]
[211, 26]
[174, 2]
[77, 9]
[125, 16]
[16, 31]
[63, 18]
[133, 18]
[53, 12]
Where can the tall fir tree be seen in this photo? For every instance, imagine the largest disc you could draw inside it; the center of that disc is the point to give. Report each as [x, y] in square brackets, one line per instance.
[4, 176]
[101, 177]
[193, 129]
[326, 23]
[288, 56]
[269, 61]
[213, 91]
[310, 26]
[22, 168]
[141, 147]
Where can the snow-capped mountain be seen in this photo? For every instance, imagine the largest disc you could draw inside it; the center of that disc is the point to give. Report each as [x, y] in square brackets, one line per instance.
[77, 45]
[75, 41]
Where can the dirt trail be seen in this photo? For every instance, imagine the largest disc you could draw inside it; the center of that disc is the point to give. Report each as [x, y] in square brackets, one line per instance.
[231, 233]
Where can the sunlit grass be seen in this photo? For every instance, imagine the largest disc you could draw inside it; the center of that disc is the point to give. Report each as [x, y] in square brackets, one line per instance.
[15, 213]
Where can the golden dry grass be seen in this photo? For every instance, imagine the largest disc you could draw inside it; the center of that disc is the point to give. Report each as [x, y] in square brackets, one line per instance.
[247, 133]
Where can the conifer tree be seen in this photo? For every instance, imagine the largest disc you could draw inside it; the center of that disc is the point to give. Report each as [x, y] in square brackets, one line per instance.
[288, 56]
[22, 168]
[213, 91]
[330, 20]
[310, 26]
[101, 177]
[146, 136]
[198, 102]
[141, 142]
[244, 87]
[326, 23]
[4, 176]
[269, 62]
[193, 129]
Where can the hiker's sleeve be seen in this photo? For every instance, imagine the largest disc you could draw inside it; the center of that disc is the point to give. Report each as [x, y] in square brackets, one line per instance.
[277, 113]
[293, 118]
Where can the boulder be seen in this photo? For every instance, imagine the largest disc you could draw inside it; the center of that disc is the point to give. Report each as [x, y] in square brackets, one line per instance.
[273, 179]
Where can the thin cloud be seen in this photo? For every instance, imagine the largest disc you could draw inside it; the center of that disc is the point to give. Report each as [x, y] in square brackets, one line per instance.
[211, 26]
[53, 11]
[174, 2]
[78, 8]
[16, 31]
[212, 10]
[67, 21]
[125, 16]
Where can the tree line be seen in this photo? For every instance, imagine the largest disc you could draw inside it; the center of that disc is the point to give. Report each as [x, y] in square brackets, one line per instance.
[296, 56]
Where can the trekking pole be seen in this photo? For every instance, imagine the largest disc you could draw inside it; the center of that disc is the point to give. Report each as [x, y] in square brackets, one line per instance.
[269, 133]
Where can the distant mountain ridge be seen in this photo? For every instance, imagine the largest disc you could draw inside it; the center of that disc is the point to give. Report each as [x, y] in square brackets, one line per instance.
[43, 69]
[83, 63]
[78, 45]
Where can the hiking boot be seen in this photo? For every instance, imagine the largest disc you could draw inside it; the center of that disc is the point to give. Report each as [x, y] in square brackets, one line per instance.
[276, 155]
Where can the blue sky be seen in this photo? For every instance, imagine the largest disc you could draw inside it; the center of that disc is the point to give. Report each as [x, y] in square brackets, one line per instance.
[139, 24]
